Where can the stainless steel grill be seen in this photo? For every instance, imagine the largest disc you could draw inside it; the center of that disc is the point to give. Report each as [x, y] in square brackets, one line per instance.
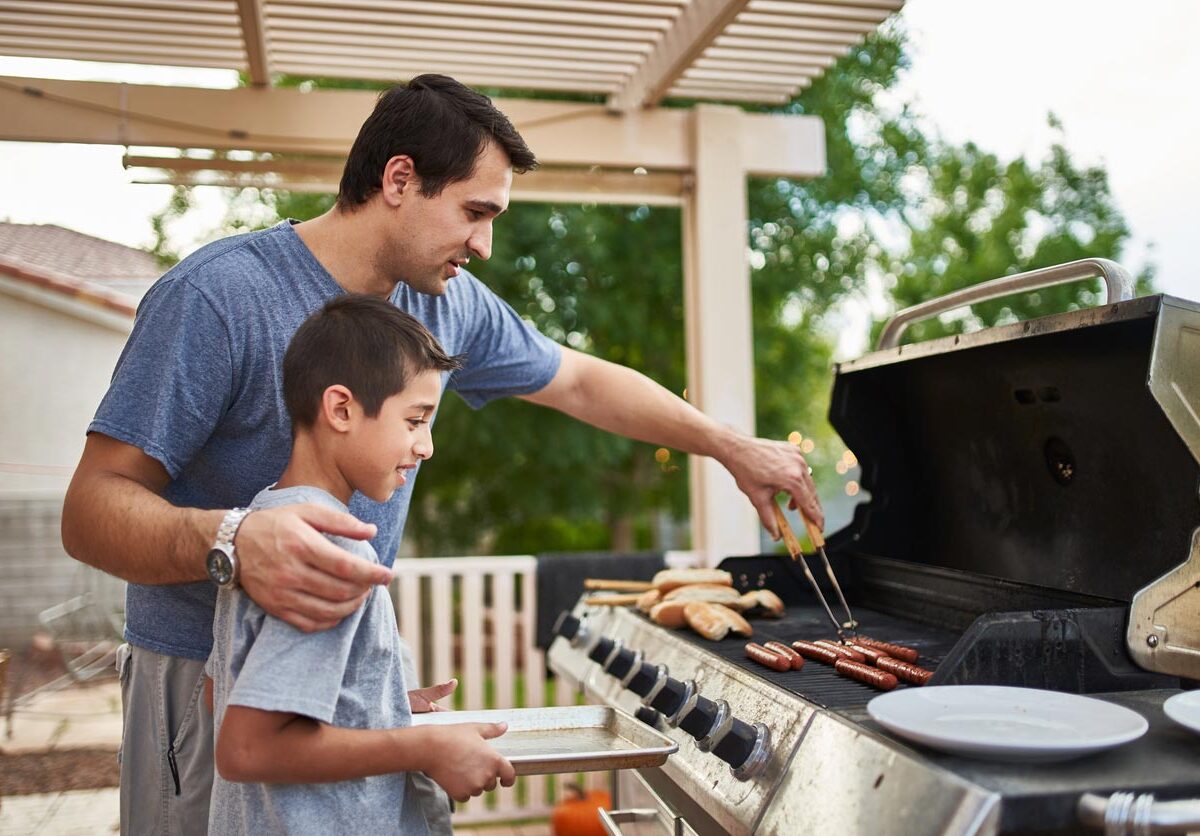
[1032, 521]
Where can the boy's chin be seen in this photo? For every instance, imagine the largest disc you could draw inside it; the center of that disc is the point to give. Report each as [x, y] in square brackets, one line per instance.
[381, 495]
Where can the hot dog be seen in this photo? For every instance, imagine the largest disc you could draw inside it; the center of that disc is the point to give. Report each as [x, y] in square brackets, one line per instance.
[908, 654]
[815, 651]
[874, 677]
[768, 658]
[872, 654]
[842, 650]
[786, 652]
[904, 670]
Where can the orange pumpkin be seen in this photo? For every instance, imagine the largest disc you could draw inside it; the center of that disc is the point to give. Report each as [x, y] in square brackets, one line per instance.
[577, 814]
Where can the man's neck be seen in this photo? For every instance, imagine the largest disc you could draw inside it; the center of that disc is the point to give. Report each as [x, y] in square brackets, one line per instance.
[308, 467]
[346, 245]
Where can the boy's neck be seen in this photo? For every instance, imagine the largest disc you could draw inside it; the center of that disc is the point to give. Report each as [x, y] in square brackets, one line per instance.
[308, 467]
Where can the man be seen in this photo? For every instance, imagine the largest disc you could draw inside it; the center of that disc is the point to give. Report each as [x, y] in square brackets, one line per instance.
[194, 425]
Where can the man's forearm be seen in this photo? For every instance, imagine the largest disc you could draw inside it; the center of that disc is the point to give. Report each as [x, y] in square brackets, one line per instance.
[622, 401]
[119, 525]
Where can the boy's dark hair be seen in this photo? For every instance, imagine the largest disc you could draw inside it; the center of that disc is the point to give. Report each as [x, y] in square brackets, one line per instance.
[442, 124]
[363, 343]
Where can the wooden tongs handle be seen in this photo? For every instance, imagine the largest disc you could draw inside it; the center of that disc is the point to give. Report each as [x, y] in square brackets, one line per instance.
[785, 529]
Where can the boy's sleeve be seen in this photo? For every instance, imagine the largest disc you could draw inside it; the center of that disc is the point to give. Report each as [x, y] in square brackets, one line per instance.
[297, 672]
[505, 354]
[174, 378]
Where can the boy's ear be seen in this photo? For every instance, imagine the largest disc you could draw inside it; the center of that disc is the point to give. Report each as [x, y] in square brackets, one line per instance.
[337, 407]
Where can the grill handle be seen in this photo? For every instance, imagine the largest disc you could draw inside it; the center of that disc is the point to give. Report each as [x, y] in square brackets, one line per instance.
[1125, 813]
[1118, 283]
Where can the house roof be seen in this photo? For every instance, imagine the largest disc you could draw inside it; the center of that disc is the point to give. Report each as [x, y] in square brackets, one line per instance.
[90, 269]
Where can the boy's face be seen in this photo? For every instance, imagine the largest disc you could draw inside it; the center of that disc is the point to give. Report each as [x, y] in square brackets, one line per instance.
[433, 237]
[384, 450]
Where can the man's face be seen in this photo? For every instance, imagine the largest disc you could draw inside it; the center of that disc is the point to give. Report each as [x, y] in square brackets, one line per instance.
[435, 236]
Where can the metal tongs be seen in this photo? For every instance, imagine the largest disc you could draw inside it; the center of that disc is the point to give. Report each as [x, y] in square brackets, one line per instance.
[793, 547]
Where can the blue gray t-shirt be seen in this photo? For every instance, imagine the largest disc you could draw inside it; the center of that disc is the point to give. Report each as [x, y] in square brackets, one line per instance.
[199, 388]
[350, 676]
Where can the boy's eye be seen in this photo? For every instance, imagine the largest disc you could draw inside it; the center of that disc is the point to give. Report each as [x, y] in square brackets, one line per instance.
[414, 423]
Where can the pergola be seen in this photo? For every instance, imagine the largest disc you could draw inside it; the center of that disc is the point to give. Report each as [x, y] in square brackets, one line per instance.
[633, 53]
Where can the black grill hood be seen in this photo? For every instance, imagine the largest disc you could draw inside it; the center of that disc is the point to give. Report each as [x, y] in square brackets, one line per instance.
[1034, 452]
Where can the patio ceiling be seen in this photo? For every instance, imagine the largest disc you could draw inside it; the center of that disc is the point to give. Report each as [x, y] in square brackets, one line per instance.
[633, 52]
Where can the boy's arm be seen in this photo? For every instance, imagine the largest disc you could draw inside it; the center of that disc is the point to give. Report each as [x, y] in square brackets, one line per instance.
[275, 747]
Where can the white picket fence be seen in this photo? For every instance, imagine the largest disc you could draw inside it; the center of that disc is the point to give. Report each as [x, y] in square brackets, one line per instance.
[475, 618]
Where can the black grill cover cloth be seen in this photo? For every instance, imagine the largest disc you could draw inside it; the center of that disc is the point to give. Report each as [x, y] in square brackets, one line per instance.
[560, 577]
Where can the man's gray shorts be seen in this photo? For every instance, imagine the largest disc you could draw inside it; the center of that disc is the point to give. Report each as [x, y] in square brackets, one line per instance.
[167, 749]
[166, 745]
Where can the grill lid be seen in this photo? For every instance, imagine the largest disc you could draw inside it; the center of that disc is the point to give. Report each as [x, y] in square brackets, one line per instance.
[1040, 452]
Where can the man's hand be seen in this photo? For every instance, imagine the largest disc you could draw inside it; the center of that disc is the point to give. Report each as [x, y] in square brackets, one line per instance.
[763, 468]
[463, 764]
[293, 572]
[424, 700]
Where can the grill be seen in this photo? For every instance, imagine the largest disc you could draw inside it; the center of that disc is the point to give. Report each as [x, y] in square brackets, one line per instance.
[1032, 520]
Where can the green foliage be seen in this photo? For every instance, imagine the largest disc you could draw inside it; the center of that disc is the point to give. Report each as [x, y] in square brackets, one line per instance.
[898, 208]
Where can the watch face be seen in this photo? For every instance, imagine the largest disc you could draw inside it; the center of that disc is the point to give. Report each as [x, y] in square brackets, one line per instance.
[220, 567]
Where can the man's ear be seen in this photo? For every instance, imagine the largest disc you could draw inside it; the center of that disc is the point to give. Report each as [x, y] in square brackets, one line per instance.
[399, 179]
[337, 407]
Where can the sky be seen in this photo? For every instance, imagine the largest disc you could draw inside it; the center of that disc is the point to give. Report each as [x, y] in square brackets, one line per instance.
[1120, 77]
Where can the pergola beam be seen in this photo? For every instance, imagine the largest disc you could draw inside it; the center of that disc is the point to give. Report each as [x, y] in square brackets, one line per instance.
[254, 37]
[693, 31]
[324, 123]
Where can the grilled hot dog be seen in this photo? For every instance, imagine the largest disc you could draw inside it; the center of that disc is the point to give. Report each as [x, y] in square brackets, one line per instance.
[874, 677]
[904, 670]
[842, 650]
[768, 658]
[899, 651]
[786, 652]
[815, 651]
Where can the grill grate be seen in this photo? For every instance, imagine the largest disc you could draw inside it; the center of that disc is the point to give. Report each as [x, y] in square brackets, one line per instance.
[817, 682]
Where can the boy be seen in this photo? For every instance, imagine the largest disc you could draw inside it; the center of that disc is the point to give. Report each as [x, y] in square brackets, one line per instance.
[313, 730]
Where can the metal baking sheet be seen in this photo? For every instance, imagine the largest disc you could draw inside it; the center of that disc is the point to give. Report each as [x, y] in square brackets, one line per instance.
[584, 738]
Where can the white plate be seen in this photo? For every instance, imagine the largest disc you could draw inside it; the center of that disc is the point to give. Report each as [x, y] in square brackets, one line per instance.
[1184, 709]
[1001, 723]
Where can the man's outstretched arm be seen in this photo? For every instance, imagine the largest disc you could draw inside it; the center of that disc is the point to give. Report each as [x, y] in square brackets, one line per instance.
[114, 518]
[622, 401]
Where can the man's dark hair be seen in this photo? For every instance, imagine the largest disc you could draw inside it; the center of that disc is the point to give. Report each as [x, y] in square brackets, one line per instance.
[442, 124]
[363, 343]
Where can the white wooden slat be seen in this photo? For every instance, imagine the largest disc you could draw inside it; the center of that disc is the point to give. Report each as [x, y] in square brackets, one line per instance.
[408, 614]
[555, 67]
[535, 672]
[482, 14]
[751, 37]
[391, 74]
[231, 56]
[875, 14]
[85, 34]
[458, 36]
[96, 24]
[157, 59]
[172, 16]
[473, 673]
[441, 644]
[298, 39]
[782, 26]
[503, 659]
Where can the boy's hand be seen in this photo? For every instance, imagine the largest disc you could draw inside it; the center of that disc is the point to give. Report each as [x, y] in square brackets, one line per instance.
[462, 762]
[293, 572]
[423, 700]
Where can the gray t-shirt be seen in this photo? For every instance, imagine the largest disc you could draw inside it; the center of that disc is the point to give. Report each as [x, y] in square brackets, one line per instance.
[351, 675]
[199, 388]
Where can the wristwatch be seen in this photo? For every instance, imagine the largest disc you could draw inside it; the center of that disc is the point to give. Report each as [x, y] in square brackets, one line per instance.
[222, 561]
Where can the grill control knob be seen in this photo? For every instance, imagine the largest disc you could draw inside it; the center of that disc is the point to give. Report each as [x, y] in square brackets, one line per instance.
[648, 716]
[702, 716]
[642, 682]
[744, 747]
[621, 663]
[672, 697]
[567, 625]
[602, 650]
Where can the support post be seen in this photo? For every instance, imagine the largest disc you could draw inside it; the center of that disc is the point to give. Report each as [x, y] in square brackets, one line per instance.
[720, 348]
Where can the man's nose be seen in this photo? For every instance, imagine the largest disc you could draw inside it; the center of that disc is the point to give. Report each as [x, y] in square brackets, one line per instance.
[480, 242]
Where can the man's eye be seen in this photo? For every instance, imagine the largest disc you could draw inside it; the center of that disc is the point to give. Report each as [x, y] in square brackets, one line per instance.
[475, 214]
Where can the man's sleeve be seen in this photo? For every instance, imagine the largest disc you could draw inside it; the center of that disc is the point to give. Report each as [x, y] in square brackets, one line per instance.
[174, 378]
[505, 355]
[296, 672]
